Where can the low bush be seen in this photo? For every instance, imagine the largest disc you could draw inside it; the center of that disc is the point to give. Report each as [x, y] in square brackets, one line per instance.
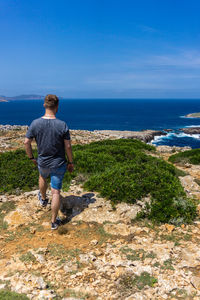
[137, 179]
[17, 172]
[119, 170]
[189, 156]
[8, 295]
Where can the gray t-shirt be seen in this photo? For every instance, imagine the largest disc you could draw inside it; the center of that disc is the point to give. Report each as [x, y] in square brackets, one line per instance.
[49, 135]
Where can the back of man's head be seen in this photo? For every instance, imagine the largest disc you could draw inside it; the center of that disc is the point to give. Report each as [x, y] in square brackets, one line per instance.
[51, 101]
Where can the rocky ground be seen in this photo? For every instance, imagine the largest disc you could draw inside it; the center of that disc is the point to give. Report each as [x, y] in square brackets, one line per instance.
[99, 252]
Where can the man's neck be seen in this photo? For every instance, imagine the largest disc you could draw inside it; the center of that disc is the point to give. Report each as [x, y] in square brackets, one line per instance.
[49, 114]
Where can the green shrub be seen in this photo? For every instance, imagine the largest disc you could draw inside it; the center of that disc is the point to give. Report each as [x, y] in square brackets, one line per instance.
[8, 295]
[134, 282]
[137, 179]
[189, 156]
[120, 170]
[17, 172]
[136, 144]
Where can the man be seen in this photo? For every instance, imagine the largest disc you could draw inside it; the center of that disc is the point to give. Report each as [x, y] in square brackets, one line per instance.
[53, 141]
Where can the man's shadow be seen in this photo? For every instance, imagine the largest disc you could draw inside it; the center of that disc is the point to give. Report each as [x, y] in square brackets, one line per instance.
[74, 205]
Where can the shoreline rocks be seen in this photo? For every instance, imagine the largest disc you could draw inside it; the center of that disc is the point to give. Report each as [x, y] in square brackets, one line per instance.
[12, 136]
[143, 135]
[87, 136]
[191, 130]
[13, 127]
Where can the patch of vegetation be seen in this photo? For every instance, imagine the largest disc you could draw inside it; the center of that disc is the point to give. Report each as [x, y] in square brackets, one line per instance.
[119, 170]
[167, 265]
[23, 175]
[151, 254]
[58, 250]
[74, 294]
[103, 235]
[17, 172]
[187, 237]
[176, 238]
[6, 283]
[11, 236]
[83, 233]
[132, 254]
[61, 261]
[180, 173]
[39, 227]
[181, 294]
[27, 257]
[5, 208]
[157, 264]
[8, 295]
[189, 156]
[139, 254]
[143, 176]
[136, 282]
[197, 181]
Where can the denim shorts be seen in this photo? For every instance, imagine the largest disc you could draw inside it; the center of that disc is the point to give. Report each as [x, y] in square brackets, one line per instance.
[56, 175]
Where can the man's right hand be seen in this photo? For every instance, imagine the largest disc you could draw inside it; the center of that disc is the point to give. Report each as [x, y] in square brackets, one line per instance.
[70, 167]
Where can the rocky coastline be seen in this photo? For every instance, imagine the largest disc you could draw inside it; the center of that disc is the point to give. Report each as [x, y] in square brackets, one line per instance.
[143, 135]
[12, 136]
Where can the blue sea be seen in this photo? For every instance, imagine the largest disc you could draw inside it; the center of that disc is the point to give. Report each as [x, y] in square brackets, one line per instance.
[116, 114]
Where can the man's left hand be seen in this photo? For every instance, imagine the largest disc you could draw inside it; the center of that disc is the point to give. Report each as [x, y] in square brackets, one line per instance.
[70, 167]
[34, 161]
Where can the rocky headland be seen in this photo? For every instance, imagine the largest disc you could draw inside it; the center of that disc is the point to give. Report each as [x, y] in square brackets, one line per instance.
[193, 115]
[100, 252]
[21, 97]
[144, 135]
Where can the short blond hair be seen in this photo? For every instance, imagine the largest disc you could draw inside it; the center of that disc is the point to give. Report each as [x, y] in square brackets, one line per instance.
[51, 101]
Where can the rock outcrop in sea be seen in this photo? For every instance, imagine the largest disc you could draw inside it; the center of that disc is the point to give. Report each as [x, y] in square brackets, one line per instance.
[193, 115]
[191, 130]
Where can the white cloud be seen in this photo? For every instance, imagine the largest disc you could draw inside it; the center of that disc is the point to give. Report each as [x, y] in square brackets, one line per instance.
[147, 29]
[178, 70]
[184, 59]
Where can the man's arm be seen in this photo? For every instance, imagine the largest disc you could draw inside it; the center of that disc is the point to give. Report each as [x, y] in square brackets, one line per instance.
[68, 150]
[29, 150]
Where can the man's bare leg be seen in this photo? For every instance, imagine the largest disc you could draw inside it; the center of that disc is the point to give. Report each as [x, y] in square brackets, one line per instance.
[43, 187]
[55, 204]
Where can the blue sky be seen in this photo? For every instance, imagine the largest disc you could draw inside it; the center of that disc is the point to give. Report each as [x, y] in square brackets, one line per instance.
[100, 48]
